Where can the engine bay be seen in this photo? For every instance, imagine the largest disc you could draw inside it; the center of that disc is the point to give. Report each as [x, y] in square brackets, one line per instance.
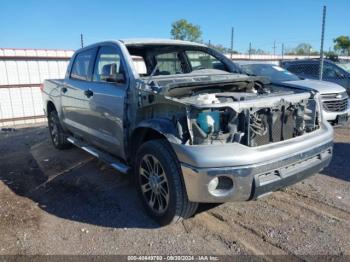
[254, 115]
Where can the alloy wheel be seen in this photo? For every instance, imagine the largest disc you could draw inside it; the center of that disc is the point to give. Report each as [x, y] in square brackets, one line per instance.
[154, 184]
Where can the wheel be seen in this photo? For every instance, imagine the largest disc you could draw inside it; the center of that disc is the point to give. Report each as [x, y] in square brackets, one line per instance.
[160, 184]
[58, 136]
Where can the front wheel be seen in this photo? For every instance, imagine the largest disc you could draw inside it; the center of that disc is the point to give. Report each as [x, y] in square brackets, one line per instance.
[160, 184]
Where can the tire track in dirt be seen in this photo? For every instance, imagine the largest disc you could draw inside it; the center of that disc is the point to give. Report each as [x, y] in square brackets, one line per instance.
[249, 242]
[256, 239]
[287, 226]
[319, 209]
[316, 202]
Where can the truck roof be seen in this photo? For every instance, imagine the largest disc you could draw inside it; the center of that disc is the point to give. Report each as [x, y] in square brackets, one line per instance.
[157, 41]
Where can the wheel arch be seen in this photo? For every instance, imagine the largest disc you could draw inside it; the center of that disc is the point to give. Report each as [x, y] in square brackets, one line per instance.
[157, 128]
[50, 106]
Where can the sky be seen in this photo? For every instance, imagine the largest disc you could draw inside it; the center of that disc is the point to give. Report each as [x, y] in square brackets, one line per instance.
[58, 24]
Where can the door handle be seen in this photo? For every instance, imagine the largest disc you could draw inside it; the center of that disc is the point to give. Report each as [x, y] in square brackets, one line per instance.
[64, 89]
[88, 93]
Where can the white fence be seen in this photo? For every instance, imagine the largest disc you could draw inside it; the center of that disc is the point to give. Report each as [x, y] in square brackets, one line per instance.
[21, 73]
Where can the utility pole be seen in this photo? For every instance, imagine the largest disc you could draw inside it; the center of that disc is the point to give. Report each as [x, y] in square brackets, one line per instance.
[250, 49]
[322, 40]
[232, 32]
[82, 40]
[274, 48]
[282, 51]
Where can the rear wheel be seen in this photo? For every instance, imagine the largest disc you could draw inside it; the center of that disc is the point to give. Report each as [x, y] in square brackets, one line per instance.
[58, 136]
[160, 184]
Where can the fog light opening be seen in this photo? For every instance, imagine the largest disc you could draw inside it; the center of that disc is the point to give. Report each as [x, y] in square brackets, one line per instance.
[213, 184]
[220, 186]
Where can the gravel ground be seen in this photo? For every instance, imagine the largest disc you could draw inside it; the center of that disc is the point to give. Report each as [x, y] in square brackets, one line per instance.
[66, 202]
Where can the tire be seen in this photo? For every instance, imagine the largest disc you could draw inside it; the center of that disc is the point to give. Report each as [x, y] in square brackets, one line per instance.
[58, 136]
[164, 180]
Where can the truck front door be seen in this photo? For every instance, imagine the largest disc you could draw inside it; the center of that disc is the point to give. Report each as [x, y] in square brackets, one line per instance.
[106, 105]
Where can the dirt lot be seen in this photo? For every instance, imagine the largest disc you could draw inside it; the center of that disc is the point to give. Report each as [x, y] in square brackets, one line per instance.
[66, 202]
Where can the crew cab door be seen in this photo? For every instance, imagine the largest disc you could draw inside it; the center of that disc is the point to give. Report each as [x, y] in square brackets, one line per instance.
[74, 98]
[106, 104]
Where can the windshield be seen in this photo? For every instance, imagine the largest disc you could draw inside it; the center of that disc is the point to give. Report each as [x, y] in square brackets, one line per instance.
[174, 59]
[273, 72]
[345, 66]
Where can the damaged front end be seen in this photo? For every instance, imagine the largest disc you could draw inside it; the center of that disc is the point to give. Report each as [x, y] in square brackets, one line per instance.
[225, 109]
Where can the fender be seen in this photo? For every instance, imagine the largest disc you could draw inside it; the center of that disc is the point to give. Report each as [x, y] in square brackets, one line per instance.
[164, 126]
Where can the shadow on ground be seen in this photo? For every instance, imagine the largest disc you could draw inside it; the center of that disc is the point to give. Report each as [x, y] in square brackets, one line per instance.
[89, 192]
[339, 167]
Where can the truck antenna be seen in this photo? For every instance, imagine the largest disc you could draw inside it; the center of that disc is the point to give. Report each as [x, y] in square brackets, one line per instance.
[82, 40]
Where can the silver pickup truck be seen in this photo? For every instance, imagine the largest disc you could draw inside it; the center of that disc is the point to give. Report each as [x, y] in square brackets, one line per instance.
[179, 117]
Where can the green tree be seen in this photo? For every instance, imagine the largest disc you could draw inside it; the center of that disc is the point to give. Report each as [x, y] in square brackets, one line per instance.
[221, 48]
[183, 30]
[342, 43]
[257, 51]
[302, 49]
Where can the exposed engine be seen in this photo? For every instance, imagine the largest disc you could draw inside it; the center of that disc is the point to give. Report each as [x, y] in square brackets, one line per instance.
[251, 118]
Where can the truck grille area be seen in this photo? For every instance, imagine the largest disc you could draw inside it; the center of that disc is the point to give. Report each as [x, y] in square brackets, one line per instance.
[335, 105]
[275, 125]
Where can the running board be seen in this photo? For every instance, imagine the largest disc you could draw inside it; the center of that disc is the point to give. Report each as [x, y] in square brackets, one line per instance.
[112, 161]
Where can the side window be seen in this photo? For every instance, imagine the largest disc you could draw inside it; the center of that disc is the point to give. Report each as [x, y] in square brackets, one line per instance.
[108, 66]
[293, 68]
[330, 71]
[304, 69]
[202, 60]
[81, 65]
[311, 69]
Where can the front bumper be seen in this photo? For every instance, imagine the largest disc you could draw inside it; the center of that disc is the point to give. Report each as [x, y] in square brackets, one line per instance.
[253, 171]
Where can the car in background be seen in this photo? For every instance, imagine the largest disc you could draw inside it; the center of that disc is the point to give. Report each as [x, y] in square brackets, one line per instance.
[344, 65]
[310, 68]
[335, 101]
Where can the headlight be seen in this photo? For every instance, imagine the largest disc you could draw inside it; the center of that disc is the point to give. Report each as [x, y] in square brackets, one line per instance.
[342, 95]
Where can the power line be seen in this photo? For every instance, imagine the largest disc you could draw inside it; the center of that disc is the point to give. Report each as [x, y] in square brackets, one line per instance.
[322, 40]
[232, 32]
[250, 49]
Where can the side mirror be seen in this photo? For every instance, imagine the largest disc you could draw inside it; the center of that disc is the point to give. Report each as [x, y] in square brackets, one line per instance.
[109, 74]
[115, 78]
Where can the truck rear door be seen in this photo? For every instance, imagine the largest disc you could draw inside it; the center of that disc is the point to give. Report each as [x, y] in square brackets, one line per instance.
[74, 93]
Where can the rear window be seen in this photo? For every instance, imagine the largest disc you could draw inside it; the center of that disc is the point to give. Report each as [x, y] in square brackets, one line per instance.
[140, 65]
[81, 68]
[169, 64]
[201, 60]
